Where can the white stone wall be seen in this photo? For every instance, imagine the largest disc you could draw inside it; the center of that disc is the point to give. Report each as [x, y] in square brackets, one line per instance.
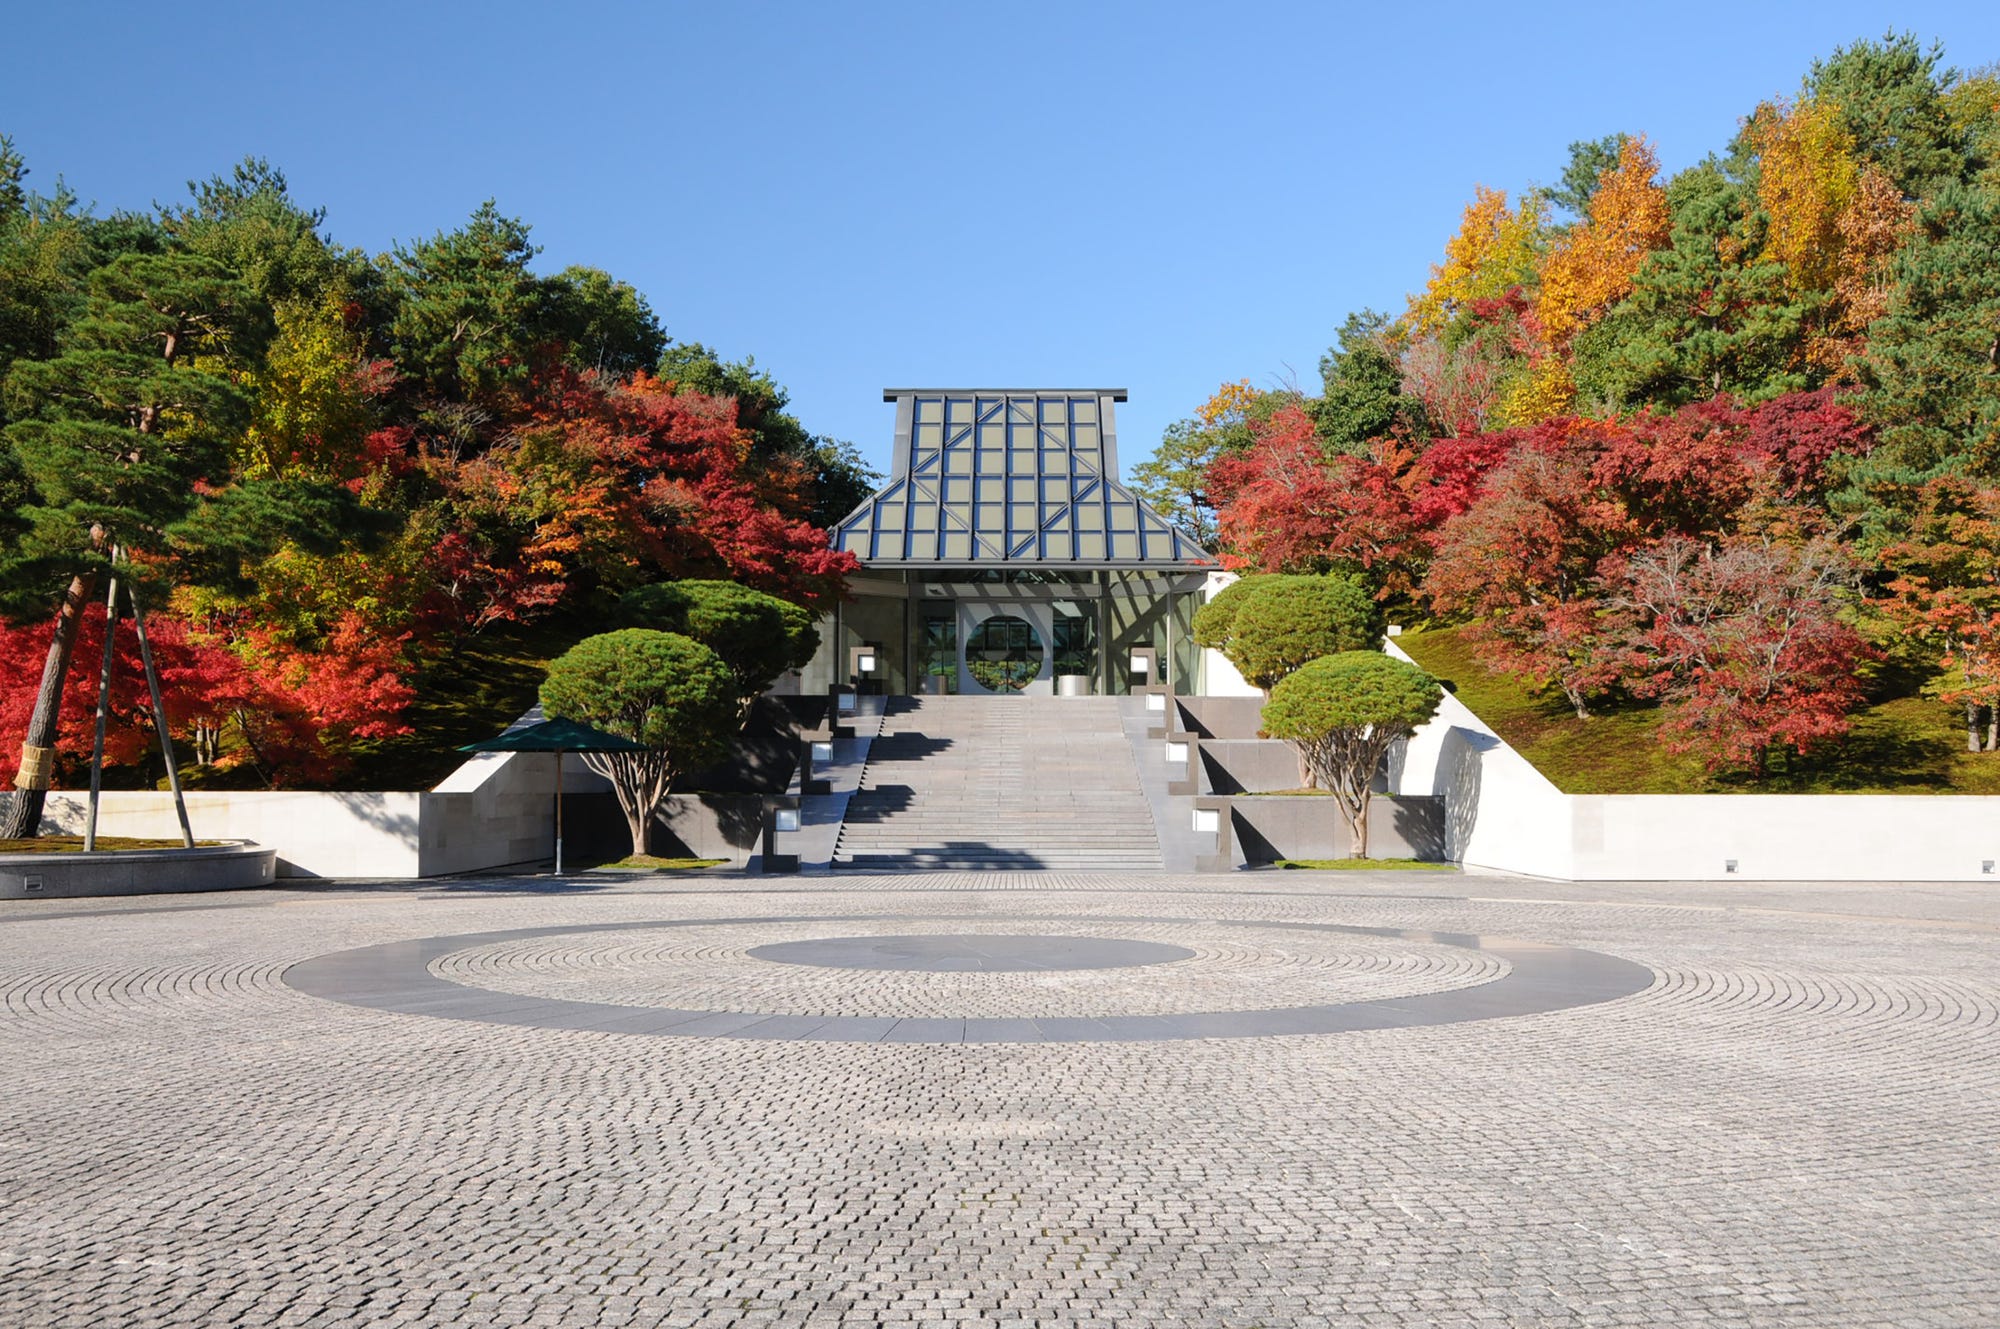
[315, 834]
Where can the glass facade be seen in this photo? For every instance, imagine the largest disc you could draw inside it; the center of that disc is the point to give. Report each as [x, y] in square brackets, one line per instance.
[1004, 556]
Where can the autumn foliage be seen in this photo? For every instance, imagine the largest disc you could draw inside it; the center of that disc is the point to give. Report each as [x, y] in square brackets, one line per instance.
[1723, 441]
[504, 445]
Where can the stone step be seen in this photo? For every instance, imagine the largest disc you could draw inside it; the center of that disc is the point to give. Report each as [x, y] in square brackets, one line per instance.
[1000, 782]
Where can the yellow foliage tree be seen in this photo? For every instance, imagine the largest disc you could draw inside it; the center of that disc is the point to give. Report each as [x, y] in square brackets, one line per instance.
[1806, 179]
[1495, 250]
[1592, 266]
[311, 396]
[1542, 391]
[1229, 405]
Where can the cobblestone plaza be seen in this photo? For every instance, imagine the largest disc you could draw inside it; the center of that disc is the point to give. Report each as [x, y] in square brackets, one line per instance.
[1272, 1099]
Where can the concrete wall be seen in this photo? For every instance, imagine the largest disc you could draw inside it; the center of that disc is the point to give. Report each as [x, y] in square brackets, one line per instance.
[725, 826]
[1268, 829]
[498, 810]
[135, 872]
[1785, 837]
[1223, 717]
[1249, 765]
[315, 834]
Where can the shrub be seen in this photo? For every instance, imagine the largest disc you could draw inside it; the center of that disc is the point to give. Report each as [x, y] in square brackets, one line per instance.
[758, 636]
[1282, 622]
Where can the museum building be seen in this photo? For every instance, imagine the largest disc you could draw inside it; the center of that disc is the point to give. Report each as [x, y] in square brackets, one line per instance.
[1004, 556]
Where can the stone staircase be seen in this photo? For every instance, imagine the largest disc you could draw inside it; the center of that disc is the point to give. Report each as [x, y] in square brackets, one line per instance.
[1000, 782]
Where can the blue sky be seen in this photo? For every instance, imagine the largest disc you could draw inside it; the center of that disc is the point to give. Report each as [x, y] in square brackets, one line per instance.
[1156, 197]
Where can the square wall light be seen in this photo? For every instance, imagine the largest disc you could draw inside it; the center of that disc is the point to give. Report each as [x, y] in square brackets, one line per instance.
[865, 663]
[848, 703]
[1177, 752]
[822, 752]
[1156, 701]
[786, 819]
[1207, 821]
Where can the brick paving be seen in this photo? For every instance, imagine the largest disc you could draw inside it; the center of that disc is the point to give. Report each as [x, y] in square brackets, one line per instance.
[1795, 1124]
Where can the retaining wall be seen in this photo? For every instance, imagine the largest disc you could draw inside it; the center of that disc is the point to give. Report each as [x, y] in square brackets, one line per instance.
[1504, 815]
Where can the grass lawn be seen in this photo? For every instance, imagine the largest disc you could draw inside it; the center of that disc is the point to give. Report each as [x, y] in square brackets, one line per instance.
[1364, 865]
[648, 863]
[1901, 743]
[73, 844]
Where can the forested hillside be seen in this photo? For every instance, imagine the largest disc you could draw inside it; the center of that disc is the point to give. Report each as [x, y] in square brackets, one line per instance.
[330, 476]
[1722, 445]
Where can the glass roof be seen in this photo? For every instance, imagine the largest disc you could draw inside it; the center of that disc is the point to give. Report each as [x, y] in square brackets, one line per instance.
[1010, 478]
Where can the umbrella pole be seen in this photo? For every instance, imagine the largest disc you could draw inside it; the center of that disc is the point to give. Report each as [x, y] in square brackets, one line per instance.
[559, 765]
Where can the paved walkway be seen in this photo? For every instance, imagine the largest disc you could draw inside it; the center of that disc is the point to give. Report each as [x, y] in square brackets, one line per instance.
[1622, 1105]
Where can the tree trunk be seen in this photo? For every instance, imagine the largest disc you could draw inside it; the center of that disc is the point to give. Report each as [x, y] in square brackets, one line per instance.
[24, 816]
[635, 822]
[1992, 728]
[1971, 727]
[1357, 827]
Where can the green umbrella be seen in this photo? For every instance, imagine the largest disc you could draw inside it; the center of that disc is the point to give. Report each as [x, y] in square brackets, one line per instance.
[557, 736]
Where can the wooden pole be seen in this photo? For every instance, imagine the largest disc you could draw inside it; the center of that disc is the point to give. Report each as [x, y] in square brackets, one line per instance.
[103, 711]
[160, 718]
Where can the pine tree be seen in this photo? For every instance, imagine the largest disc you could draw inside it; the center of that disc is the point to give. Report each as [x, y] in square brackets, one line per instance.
[1708, 314]
[1363, 385]
[1932, 368]
[112, 439]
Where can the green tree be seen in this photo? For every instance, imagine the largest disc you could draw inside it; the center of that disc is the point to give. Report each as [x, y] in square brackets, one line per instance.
[111, 440]
[1932, 364]
[1214, 626]
[757, 636]
[13, 175]
[1709, 314]
[1362, 382]
[1282, 622]
[664, 690]
[468, 313]
[46, 253]
[249, 223]
[1343, 712]
[1891, 96]
[1589, 159]
[120, 447]
[603, 325]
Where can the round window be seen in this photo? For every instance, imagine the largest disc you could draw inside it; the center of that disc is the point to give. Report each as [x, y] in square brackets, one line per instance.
[1003, 654]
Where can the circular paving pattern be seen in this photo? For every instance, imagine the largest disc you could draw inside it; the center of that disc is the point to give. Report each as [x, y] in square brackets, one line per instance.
[970, 953]
[723, 967]
[704, 978]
